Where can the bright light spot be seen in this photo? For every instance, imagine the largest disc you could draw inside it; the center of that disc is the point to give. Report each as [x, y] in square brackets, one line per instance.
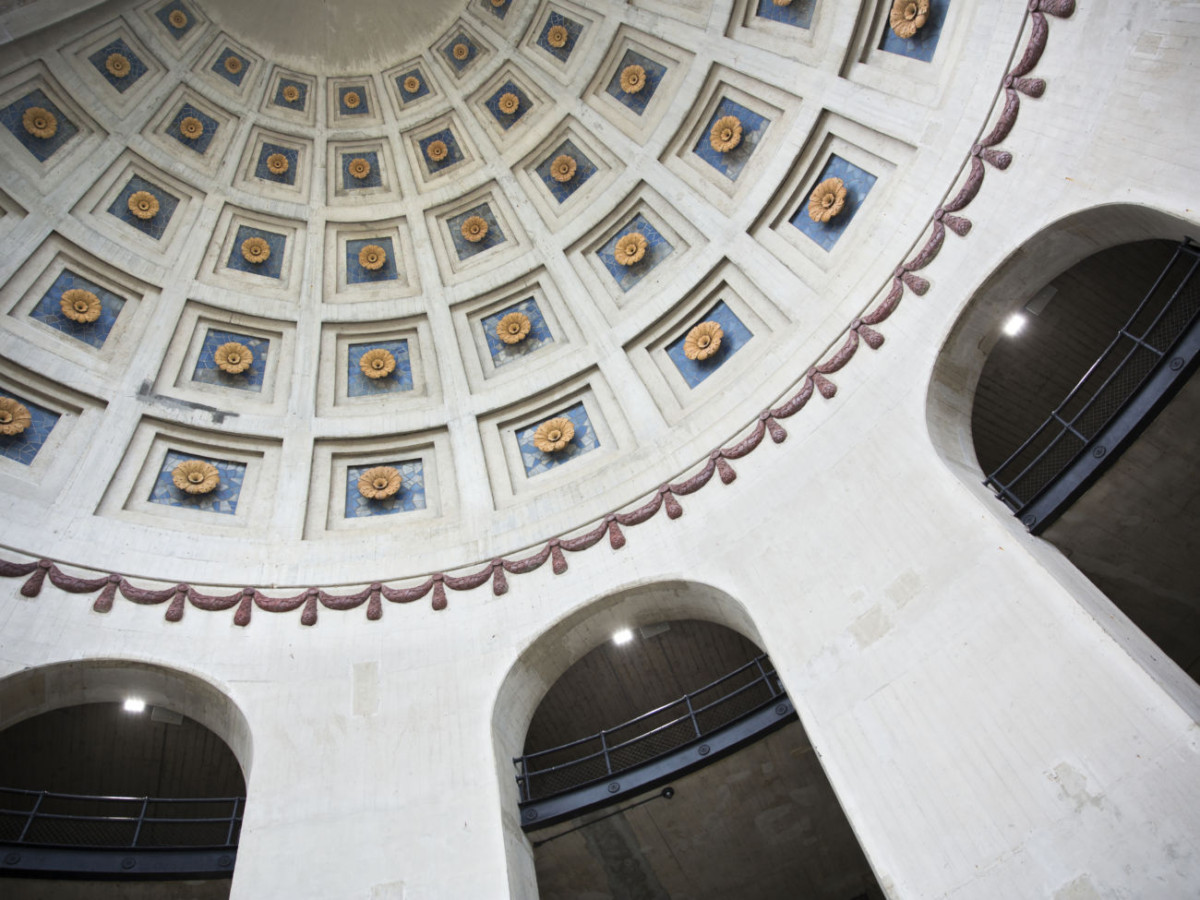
[624, 636]
[1014, 324]
[135, 704]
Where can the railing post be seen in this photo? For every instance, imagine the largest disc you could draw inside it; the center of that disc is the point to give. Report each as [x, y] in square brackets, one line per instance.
[692, 714]
[37, 804]
[232, 822]
[763, 674]
[604, 747]
[137, 832]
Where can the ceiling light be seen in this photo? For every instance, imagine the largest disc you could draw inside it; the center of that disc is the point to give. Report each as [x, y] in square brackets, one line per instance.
[135, 704]
[624, 636]
[1014, 324]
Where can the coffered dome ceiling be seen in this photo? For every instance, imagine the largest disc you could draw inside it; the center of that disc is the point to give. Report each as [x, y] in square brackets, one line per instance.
[306, 293]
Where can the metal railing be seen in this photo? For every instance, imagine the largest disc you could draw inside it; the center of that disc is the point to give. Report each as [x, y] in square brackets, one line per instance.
[649, 736]
[1113, 383]
[46, 819]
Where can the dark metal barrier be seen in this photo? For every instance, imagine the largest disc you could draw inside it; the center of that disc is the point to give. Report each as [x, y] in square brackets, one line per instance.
[1146, 363]
[54, 834]
[657, 745]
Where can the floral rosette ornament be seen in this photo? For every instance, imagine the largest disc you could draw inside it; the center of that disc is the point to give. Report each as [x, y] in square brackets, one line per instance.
[291, 93]
[14, 417]
[726, 134]
[233, 358]
[475, 229]
[80, 306]
[195, 476]
[508, 103]
[562, 169]
[554, 434]
[117, 65]
[39, 122]
[703, 341]
[143, 204]
[372, 257]
[191, 128]
[351, 100]
[412, 84]
[782, 2]
[256, 250]
[233, 65]
[377, 363]
[460, 51]
[557, 36]
[437, 150]
[908, 17]
[359, 168]
[633, 79]
[513, 328]
[827, 200]
[630, 249]
[277, 164]
[178, 18]
[379, 483]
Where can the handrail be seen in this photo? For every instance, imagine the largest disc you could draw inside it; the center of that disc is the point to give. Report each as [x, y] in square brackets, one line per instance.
[55, 819]
[551, 780]
[1030, 480]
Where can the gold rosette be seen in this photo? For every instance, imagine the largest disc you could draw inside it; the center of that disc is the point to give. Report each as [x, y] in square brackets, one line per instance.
[143, 204]
[379, 483]
[359, 168]
[372, 257]
[191, 127]
[554, 434]
[291, 93]
[827, 200]
[377, 363]
[475, 229]
[557, 36]
[39, 122]
[513, 328]
[412, 84]
[633, 79]
[908, 17]
[118, 65]
[630, 249]
[233, 65]
[437, 150]
[277, 164]
[351, 100]
[14, 416]
[195, 476]
[256, 250]
[703, 341]
[726, 134]
[460, 51]
[508, 103]
[562, 169]
[80, 306]
[233, 358]
[178, 18]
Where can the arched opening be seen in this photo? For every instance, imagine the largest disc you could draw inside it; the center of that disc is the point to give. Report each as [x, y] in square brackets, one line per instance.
[673, 678]
[1067, 384]
[121, 779]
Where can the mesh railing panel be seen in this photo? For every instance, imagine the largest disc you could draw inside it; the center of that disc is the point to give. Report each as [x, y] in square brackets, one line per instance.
[183, 834]
[646, 738]
[1164, 315]
[81, 832]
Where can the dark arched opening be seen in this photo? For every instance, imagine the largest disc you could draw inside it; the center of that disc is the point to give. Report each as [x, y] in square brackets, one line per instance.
[761, 821]
[110, 788]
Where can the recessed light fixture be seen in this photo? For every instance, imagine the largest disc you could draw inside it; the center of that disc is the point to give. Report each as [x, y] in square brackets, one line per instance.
[135, 704]
[624, 636]
[1014, 324]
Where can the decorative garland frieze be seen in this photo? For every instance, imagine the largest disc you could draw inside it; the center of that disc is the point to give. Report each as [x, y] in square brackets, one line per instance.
[816, 381]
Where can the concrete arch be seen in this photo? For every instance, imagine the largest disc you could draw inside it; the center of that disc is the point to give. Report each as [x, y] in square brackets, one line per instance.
[1038, 258]
[555, 650]
[41, 689]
